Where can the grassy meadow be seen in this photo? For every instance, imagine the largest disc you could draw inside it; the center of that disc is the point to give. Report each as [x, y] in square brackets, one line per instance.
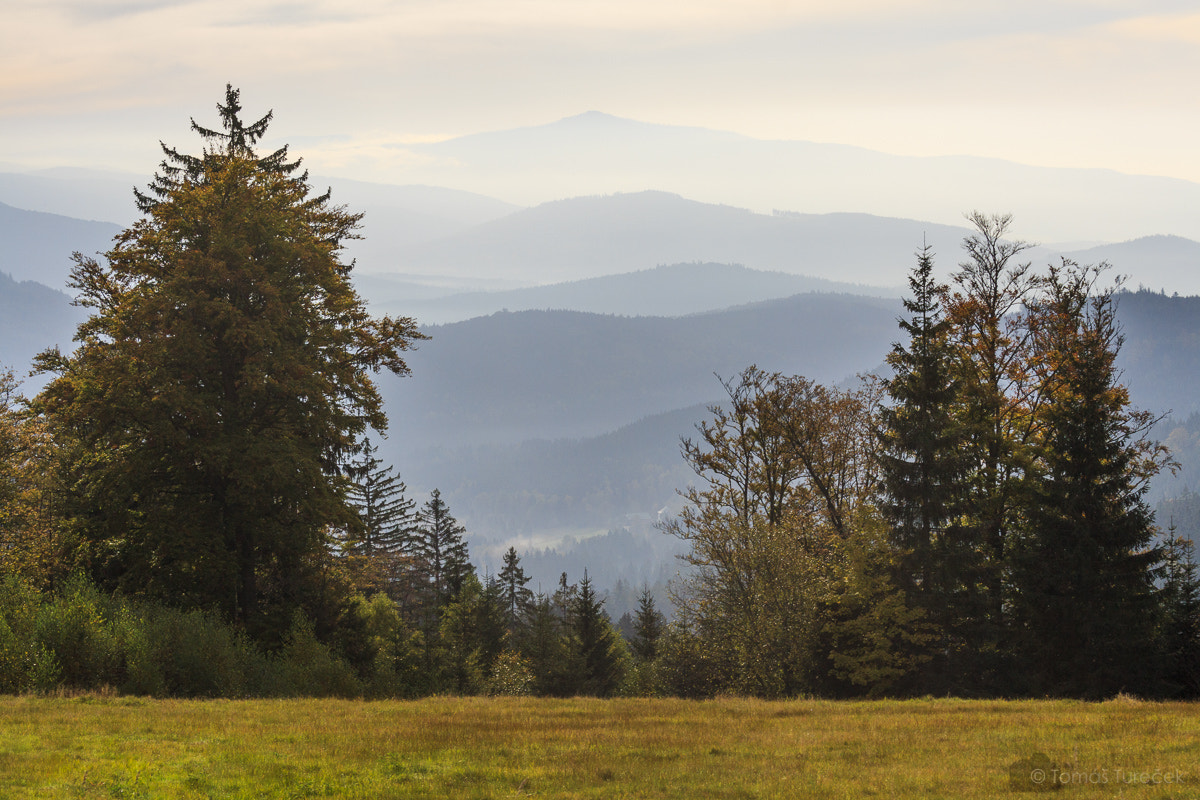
[125, 747]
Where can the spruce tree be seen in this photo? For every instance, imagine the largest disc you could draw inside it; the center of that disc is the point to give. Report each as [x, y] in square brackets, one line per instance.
[544, 647]
[920, 438]
[515, 596]
[234, 139]
[468, 637]
[378, 495]
[440, 551]
[1180, 600]
[385, 522]
[648, 627]
[1083, 571]
[924, 469]
[597, 643]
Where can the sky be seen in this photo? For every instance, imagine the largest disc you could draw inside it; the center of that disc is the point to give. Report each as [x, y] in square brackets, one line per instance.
[1045, 82]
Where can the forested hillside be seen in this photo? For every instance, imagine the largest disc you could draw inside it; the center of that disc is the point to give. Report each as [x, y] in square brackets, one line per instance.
[38, 246]
[32, 318]
[552, 374]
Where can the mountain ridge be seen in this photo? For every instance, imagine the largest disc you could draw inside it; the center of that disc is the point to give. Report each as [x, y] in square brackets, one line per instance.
[595, 153]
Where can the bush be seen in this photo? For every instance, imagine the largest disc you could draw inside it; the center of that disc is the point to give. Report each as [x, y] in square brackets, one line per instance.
[642, 680]
[395, 668]
[684, 667]
[307, 668]
[25, 663]
[511, 676]
[176, 653]
[72, 627]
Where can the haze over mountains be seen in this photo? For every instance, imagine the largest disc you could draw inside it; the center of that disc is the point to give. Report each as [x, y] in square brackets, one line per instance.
[554, 374]
[575, 340]
[38, 245]
[587, 237]
[595, 153]
[33, 317]
[667, 291]
[590, 237]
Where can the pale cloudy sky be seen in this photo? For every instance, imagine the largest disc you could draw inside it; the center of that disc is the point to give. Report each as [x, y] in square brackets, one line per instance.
[1108, 84]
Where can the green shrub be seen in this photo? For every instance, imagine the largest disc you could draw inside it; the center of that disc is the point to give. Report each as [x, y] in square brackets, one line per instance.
[176, 653]
[642, 680]
[71, 625]
[307, 668]
[395, 667]
[511, 675]
[684, 666]
[143, 672]
[25, 663]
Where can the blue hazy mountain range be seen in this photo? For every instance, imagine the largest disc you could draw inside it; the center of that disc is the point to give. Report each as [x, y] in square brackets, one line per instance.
[596, 153]
[547, 400]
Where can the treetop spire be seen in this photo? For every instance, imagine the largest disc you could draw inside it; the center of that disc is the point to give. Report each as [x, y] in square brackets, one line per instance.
[234, 139]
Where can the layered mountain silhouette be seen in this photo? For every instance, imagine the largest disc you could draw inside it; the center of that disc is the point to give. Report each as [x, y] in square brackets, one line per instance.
[38, 246]
[595, 153]
[575, 341]
[665, 291]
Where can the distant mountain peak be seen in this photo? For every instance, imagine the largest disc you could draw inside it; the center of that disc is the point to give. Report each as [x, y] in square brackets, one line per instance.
[595, 116]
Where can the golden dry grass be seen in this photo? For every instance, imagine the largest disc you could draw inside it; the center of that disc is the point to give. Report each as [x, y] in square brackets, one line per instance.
[498, 748]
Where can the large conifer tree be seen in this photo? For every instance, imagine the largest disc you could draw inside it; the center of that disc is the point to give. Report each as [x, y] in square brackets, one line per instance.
[1180, 598]
[648, 627]
[1084, 569]
[515, 594]
[219, 383]
[387, 515]
[235, 138]
[599, 646]
[924, 467]
[922, 462]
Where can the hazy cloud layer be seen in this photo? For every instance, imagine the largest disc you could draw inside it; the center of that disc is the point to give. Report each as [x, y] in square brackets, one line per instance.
[1108, 84]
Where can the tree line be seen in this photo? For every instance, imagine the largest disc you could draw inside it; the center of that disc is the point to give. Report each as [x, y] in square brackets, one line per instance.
[192, 505]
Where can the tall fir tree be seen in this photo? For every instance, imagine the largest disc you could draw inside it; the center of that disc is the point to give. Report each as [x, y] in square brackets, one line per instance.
[546, 648]
[386, 520]
[1084, 569]
[924, 470]
[439, 548]
[597, 643]
[235, 138]
[1180, 600]
[515, 596]
[648, 627]
[470, 635]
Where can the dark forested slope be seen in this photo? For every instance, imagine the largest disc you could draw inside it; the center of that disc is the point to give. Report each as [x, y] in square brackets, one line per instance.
[32, 318]
[551, 374]
[38, 246]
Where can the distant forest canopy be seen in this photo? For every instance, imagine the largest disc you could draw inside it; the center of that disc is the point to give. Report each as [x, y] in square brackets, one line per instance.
[193, 504]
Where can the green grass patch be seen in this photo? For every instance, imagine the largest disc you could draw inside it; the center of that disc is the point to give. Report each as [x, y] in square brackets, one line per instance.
[120, 747]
